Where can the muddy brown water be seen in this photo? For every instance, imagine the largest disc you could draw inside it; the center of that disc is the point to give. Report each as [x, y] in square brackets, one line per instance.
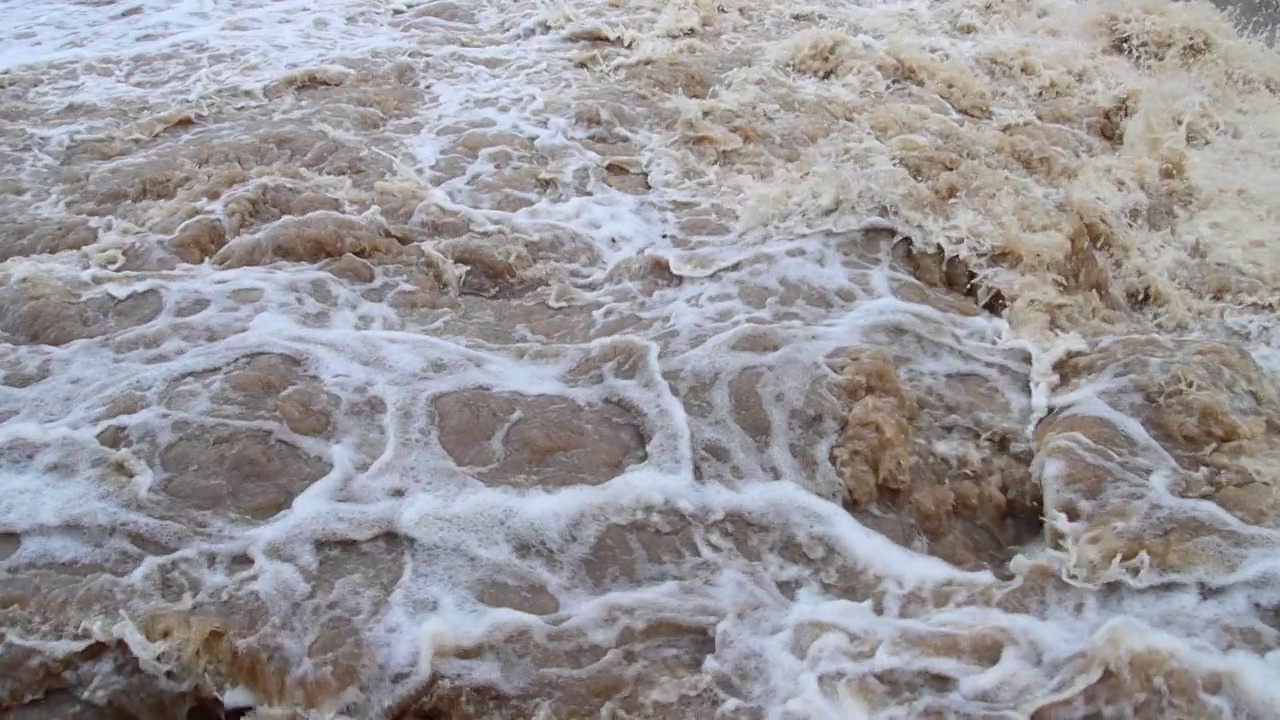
[638, 359]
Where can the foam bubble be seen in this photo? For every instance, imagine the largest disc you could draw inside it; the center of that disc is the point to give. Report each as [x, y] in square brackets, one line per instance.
[895, 359]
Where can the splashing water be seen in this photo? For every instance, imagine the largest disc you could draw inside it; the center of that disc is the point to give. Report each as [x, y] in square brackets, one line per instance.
[638, 358]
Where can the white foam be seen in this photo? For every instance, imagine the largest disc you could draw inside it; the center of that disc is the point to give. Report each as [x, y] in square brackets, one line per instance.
[505, 73]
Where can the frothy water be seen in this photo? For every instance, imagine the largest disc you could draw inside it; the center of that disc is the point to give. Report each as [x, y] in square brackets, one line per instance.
[638, 358]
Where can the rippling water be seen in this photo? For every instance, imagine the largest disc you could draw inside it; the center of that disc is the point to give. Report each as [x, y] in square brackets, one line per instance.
[638, 359]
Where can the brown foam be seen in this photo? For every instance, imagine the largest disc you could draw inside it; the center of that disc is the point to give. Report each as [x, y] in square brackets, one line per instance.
[1211, 409]
[315, 237]
[298, 193]
[975, 504]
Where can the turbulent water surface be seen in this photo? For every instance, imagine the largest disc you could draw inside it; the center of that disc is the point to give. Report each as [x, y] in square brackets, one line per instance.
[638, 359]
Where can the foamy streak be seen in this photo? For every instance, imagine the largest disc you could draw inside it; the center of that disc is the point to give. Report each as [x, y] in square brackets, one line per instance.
[230, 43]
[802, 274]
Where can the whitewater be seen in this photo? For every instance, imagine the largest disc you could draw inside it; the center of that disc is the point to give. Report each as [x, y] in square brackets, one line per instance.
[639, 359]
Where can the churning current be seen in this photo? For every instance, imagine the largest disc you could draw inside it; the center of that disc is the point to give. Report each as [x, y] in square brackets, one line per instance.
[798, 360]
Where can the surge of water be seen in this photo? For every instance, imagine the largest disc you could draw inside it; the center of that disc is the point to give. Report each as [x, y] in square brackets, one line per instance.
[638, 358]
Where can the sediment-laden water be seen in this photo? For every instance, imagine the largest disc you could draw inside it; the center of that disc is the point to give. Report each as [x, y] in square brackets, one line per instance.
[638, 359]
